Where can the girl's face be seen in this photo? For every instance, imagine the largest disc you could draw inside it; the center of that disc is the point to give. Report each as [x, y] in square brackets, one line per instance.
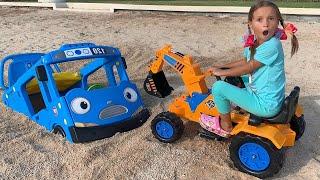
[264, 23]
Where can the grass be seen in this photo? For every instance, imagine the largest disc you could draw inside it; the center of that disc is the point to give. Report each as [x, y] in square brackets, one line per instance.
[281, 3]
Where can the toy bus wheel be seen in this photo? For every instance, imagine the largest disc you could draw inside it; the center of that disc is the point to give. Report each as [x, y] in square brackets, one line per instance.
[255, 155]
[167, 127]
[58, 130]
[298, 125]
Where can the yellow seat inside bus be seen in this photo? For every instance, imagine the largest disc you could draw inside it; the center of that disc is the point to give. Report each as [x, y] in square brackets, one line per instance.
[64, 80]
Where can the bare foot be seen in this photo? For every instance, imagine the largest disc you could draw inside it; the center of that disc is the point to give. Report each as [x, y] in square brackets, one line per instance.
[225, 122]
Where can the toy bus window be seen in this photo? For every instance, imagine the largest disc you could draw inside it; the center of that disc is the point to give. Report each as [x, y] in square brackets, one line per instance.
[73, 66]
[116, 74]
[98, 79]
[55, 68]
[34, 94]
[5, 72]
[67, 74]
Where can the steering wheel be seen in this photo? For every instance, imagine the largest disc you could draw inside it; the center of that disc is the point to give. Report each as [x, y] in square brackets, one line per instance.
[234, 80]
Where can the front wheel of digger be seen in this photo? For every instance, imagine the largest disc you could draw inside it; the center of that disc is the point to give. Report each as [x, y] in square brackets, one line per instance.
[255, 155]
[167, 127]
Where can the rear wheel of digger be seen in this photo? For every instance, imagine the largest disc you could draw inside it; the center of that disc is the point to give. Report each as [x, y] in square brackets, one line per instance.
[167, 127]
[255, 155]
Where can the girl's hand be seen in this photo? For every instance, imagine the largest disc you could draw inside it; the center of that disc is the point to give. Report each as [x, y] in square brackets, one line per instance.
[217, 66]
[215, 71]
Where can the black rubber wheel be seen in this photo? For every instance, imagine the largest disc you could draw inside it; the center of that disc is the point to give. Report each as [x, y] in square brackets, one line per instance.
[60, 131]
[167, 127]
[298, 125]
[256, 156]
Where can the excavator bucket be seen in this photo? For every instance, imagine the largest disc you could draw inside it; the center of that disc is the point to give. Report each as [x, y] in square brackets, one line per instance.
[156, 84]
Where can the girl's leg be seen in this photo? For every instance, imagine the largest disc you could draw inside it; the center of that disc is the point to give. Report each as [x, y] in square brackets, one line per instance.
[224, 92]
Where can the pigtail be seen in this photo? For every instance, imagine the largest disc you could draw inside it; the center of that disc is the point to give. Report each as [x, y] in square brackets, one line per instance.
[294, 41]
[294, 45]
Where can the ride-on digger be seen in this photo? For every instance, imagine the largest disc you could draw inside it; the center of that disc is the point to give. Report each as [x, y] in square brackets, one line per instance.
[257, 144]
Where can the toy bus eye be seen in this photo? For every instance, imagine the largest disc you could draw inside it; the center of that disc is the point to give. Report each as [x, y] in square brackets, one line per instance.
[130, 95]
[80, 105]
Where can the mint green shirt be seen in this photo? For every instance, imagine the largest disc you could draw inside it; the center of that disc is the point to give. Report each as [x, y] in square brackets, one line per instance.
[268, 81]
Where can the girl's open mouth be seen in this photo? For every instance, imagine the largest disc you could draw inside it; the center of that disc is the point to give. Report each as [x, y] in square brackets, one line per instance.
[265, 33]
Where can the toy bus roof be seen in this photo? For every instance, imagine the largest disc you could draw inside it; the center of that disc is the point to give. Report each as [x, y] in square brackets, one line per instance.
[72, 52]
[68, 52]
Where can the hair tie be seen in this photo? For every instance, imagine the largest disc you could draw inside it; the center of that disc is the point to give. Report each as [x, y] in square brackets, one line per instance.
[282, 33]
[248, 40]
[290, 28]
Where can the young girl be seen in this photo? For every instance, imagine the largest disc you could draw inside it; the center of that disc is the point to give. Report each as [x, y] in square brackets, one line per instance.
[263, 61]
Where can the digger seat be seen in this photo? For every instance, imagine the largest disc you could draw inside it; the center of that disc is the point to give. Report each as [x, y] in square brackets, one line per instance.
[286, 113]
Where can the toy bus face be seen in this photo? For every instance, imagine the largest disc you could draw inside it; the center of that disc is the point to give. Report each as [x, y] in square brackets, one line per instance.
[90, 105]
[117, 101]
[103, 106]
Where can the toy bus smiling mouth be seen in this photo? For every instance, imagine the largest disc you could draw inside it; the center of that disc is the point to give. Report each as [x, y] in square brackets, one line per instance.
[74, 103]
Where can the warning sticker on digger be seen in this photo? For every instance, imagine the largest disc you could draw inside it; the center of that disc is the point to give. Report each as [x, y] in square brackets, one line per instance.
[210, 104]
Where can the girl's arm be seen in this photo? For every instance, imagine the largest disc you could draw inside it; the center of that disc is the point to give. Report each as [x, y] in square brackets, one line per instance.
[233, 64]
[244, 68]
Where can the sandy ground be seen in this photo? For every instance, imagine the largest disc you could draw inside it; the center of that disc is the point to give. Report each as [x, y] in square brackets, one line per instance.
[28, 151]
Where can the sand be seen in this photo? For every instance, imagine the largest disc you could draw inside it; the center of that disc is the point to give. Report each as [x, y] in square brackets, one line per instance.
[28, 151]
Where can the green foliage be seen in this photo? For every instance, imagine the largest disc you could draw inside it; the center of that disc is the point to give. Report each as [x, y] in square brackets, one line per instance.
[280, 3]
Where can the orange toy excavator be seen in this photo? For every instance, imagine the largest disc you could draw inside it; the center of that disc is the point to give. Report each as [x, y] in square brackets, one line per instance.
[189, 105]
[256, 143]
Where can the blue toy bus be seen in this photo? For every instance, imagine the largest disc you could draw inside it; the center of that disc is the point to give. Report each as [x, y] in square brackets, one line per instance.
[71, 103]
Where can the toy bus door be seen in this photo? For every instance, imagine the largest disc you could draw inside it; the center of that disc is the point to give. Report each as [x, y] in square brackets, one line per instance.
[40, 98]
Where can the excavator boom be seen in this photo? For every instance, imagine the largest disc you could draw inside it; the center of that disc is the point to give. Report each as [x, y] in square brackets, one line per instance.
[156, 83]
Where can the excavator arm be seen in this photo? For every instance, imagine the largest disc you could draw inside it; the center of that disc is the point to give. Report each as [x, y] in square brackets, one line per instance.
[156, 83]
